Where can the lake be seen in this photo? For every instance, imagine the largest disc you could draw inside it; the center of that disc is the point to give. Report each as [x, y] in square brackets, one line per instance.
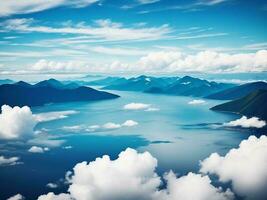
[178, 134]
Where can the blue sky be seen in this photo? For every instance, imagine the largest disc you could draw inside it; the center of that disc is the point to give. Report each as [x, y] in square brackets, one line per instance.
[133, 36]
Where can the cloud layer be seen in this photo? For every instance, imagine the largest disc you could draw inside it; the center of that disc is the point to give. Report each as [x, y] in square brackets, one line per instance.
[204, 61]
[253, 122]
[132, 176]
[245, 167]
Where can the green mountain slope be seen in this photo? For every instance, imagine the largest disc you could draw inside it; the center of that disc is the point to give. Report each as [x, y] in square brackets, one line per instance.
[254, 104]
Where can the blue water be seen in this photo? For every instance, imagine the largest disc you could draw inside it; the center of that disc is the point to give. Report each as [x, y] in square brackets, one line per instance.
[178, 135]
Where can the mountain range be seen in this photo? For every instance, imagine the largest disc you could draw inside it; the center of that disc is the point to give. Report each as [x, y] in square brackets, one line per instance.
[48, 91]
[190, 86]
[185, 86]
[238, 91]
[252, 105]
[140, 83]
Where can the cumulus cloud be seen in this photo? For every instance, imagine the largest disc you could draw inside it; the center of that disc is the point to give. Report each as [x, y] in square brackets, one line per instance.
[136, 106]
[196, 102]
[127, 123]
[52, 196]
[204, 61]
[111, 125]
[192, 186]
[36, 149]
[19, 121]
[16, 122]
[130, 123]
[253, 122]
[139, 106]
[9, 161]
[16, 197]
[245, 167]
[132, 176]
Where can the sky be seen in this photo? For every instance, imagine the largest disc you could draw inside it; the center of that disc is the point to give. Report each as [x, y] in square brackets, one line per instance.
[133, 36]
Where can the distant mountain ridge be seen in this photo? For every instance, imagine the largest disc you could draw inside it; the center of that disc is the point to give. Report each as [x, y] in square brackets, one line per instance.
[238, 91]
[48, 91]
[190, 86]
[185, 86]
[254, 104]
[6, 81]
[140, 83]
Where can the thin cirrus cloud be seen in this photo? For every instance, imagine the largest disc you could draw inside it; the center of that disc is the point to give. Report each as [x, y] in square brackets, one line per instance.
[12, 7]
[103, 29]
[245, 122]
[98, 128]
[197, 5]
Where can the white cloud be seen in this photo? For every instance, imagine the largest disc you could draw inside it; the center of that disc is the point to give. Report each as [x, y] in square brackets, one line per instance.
[245, 167]
[196, 102]
[16, 197]
[12, 7]
[105, 127]
[127, 123]
[111, 125]
[16, 122]
[36, 149]
[192, 186]
[103, 30]
[132, 176]
[253, 122]
[51, 185]
[9, 161]
[45, 140]
[130, 123]
[52, 196]
[136, 106]
[203, 61]
[49, 116]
